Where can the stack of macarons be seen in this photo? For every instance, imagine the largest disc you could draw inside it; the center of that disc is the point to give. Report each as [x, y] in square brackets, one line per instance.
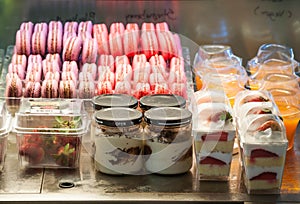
[81, 59]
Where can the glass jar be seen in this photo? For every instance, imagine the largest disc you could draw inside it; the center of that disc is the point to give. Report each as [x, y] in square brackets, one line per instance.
[118, 141]
[168, 140]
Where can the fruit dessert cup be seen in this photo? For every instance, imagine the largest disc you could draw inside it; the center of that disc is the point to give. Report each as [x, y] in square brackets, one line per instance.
[263, 146]
[118, 141]
[168, 145]
[214, 134]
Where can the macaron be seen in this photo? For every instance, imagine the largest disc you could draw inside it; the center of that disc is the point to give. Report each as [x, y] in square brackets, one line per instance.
[27, 26]
[50, 89]
[107, 75]
[138, 58]
[55, 37]
[19, 59]
[122, 59]
[72, 49]
[131, 41]
[103, 44]
[35, 59]
[91, 68]
[123, 72]
[148, 26]
[32, 89]
[132, 27]
[38, 43]
[18, 69]
[86, 89]
[167, 44]
[50, 67]
[54, 58]
[23, 42]
[149, 43]
[13, 86]
[158, 60]
[107, 60]
[89, 51]
[141, 89]
[67, 89]
[52, 76]
[117, 27]
[85, 26]
[85, 76]
[35, 68]
[123, 87]
[177, 63]
[41, 27]
[116, 44]
[71, 26]
[104, 87]
[162, 26]
[33, 76]
[66, 35]
[99, 28]
[70, 66]
[69, 76]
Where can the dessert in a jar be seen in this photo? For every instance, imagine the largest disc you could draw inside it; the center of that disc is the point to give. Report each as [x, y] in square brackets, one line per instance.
[263, 145]
[168, 140]
[118, 141]
[214, 134]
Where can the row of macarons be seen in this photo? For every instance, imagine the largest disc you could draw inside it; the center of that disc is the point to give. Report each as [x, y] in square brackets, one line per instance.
[85, 40]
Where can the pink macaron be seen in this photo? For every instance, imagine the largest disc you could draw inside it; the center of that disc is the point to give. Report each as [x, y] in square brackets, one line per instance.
[70, 66]
[85, 26]
[32, 89]
[131, 41]
[122, 59]
[19, 59]
[117, 27]
[104, 87]
[38, 43]
[55, 37]
[72, 49]
[18, 69]
[148, 26]
[71, 26]
[27, 26]
[132, 27]
[35, 68]
[13, 86]
[123, 72]
[107, 60]
[86, 89]
[85, 76]
[89, 51]
[107, 75]
[91, 68]
[167, 44]
[116, 44]
[103, 44]
[156, 78]
[50, 89]
[137, 59]
[67, 76]
[52, 76]
[99, 28]
[158, 60]
[177, 63]
[23, 42]
[33, 76]
[50, 67]
[66, 35]
[41, 27]
[123, 87]
[67, 89]
[141, 89]
[54, 58]
[162, 26]
[149, 43]
[35, 59]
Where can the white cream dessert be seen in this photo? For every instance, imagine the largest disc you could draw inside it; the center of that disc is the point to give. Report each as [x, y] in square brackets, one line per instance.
[214, 135]
[168, 147]
[263, 146]
[118, 141]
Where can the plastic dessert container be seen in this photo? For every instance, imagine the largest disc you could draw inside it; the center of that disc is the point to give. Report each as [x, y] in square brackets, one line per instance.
[118, 141]
[263, 146]
[49, 133]
[214, 135]
[168, 145]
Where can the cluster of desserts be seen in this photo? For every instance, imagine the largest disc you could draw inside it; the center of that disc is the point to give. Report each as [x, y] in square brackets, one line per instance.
[214, 134]
[84, 59]
[262, 141]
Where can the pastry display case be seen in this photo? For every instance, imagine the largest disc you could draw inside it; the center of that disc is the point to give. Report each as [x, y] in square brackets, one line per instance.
[146, 101]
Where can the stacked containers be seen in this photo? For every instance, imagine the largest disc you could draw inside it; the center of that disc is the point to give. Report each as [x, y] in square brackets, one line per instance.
[214, 134]
[5, 120]
[49, 133]
[262, 141]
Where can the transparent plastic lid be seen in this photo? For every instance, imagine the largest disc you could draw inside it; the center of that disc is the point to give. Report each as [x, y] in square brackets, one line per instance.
[212, 117]
[45, 114]
[262, 129]
[247, 96]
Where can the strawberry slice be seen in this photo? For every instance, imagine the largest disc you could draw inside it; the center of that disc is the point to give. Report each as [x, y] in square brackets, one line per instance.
[222, 115]
[265, 176]
[211, 160]
[256, 99]
[260, 153]
[215, 136]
